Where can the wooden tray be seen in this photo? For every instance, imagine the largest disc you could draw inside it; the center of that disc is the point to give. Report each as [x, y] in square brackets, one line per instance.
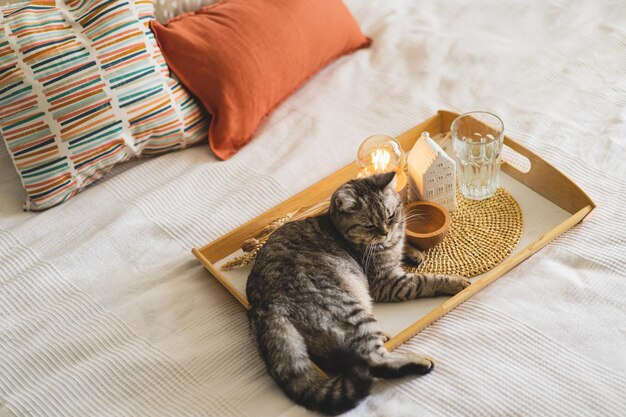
[551, 204]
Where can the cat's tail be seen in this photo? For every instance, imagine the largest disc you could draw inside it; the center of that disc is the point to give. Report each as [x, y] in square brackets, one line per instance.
[285, 354]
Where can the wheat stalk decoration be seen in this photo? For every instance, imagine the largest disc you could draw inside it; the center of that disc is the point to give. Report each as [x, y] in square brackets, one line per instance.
[253, 245]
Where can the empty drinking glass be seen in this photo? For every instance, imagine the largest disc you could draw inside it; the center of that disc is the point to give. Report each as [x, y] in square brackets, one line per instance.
[477, 139]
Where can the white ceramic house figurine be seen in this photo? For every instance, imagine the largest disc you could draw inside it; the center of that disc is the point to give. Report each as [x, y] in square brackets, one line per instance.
[432, 173]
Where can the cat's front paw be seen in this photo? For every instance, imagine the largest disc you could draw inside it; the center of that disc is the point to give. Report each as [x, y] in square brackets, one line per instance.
[453, 284]
[413, 256]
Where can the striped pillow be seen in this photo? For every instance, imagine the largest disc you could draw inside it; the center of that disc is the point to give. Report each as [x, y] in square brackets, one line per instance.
[84, 86]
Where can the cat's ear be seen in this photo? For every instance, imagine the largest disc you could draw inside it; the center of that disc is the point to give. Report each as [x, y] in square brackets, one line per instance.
[385, 180]
[345, 199]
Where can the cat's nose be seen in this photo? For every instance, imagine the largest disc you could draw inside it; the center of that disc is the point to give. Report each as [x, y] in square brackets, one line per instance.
[384, 231]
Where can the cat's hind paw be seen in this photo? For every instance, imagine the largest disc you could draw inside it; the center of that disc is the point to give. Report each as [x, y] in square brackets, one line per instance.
[401, 366]
[420, 366]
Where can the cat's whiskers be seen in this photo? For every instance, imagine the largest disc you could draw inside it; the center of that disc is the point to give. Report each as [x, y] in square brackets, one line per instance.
[414, 215]
[417, 216]
[370, 252]
[364, 256]
[367, 258]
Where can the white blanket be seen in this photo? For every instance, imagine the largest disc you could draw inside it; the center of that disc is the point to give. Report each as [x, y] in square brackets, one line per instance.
[104, 310]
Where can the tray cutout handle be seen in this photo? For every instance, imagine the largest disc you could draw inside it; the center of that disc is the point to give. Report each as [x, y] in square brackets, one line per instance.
[516, 160]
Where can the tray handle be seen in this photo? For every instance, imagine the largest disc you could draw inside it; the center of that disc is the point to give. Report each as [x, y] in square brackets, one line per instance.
[515, 160]
[534, 172]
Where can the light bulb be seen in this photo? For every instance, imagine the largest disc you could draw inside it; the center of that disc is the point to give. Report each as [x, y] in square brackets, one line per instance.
[378, 154]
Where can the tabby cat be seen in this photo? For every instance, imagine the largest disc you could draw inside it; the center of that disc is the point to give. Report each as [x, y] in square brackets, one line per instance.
[311, 291]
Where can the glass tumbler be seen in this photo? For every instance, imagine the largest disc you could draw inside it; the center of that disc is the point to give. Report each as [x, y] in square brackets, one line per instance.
[477, 139]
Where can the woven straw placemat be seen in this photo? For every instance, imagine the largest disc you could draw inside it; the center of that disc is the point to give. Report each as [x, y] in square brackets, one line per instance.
[481, 235]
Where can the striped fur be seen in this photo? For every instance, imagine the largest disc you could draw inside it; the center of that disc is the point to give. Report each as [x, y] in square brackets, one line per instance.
[311, 291]
[84, 86]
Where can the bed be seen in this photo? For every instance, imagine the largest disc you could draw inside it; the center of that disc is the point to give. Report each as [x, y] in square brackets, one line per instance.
[105, 311]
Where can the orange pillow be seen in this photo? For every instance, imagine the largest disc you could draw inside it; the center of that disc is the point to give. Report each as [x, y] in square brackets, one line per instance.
[242, 58]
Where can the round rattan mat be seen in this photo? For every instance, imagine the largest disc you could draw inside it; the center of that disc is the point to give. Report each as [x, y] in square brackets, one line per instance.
[481, 235]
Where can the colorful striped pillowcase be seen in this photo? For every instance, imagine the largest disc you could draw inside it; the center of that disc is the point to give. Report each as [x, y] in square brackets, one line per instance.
[84, 86]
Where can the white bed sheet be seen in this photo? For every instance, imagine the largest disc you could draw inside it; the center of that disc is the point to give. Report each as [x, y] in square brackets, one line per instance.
[104, 311]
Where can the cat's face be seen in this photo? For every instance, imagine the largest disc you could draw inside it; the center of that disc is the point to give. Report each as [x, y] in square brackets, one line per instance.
[368, 210]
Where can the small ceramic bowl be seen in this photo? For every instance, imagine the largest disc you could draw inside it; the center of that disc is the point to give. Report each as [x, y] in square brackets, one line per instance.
[427, 223]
